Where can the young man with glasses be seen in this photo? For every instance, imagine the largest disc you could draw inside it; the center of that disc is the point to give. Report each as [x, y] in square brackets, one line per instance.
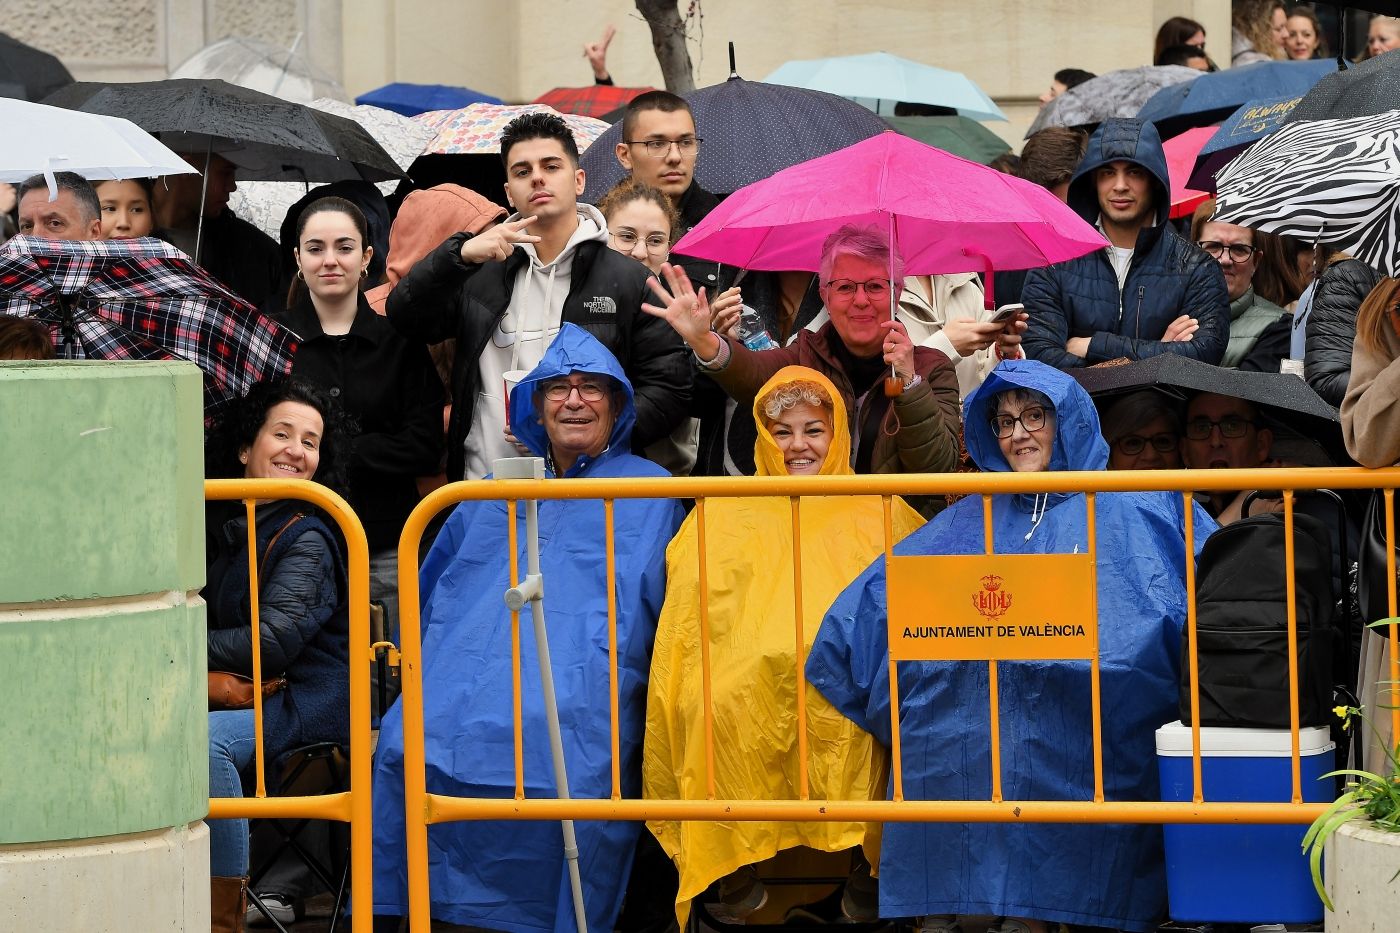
[1250, 314]
[1148, 291]
[505, 293]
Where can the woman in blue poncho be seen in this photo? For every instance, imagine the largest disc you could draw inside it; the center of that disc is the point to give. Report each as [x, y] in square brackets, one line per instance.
[1027, 417]
[575, 410]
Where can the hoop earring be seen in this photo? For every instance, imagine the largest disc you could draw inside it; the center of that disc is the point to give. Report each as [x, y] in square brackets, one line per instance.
[300, 277]
[364, 273]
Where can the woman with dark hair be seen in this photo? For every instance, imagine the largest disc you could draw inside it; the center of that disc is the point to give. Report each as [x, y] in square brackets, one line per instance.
[386, 384]
[23, 338]
[284, 429]
[126, 207]
[1305, 39]
[1178, 31]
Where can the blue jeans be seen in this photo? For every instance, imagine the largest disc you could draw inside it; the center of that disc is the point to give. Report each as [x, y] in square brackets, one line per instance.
[231, 746]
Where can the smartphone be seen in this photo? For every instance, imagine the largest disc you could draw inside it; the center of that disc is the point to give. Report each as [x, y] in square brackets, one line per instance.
[1006, 313]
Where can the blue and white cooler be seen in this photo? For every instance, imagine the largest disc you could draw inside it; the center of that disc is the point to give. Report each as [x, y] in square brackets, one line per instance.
[1242, 874]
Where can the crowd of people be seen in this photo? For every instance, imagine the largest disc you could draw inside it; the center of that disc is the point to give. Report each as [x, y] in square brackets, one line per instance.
[433, 343]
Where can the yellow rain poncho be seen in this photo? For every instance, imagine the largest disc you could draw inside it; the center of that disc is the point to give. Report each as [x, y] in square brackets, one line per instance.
[754, 664]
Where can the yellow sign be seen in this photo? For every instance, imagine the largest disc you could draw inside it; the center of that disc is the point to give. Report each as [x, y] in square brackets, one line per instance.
[991, 607]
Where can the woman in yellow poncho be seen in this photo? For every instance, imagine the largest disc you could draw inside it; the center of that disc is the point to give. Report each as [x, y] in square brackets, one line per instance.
[802, 429]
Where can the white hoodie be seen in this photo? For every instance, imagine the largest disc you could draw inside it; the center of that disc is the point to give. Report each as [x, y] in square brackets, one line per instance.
[521, 338]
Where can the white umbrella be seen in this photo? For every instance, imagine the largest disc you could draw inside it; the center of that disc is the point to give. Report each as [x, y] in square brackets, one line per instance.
[262, 66]
[39, 138]
[880, 76]
[264, 204]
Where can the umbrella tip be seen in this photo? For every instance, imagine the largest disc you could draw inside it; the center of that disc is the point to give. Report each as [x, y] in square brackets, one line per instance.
[733, 71]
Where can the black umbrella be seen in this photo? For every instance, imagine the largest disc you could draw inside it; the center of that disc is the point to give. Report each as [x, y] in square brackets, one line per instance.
[751, 131]
[1306, 429]
[267, 138]
[1363, 90]
[28, 73]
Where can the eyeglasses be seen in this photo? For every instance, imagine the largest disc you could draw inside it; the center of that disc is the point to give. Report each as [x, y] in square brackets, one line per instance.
[657, 243]
[875, 289]
[588, 391]
[1032, 419]
[1134, 444]
[1198, 429]
[660, 147]
[1239, 252]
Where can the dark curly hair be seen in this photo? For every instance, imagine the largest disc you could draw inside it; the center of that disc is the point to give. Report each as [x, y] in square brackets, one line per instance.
[238, 427]
[538, 125]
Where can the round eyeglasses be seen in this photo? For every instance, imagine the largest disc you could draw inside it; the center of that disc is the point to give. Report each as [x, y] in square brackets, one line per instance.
[1238, 252]
[1032, 419]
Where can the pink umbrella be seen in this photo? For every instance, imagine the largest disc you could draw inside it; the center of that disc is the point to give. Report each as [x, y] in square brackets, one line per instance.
[944, 214]
[1181, 160]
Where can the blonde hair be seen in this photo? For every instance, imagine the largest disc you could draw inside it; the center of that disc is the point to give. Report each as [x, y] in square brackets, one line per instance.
[1253, 19]
[788, 396]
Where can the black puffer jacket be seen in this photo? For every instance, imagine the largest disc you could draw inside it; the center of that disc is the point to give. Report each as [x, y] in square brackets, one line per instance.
[443, 297]
[1332, 326]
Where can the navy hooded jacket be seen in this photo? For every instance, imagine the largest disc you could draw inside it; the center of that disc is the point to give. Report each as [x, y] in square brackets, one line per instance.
[1168, 276]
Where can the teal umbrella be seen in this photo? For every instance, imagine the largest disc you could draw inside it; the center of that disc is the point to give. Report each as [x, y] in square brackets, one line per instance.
[957, 134]
[881, 76]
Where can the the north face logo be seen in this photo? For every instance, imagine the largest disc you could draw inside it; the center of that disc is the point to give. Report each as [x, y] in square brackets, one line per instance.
[601, 304]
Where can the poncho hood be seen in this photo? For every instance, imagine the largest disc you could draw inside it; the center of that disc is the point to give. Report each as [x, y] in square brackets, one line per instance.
[768, 459]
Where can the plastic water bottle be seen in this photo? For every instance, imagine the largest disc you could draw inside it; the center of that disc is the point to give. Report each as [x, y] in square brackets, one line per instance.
[752, 332]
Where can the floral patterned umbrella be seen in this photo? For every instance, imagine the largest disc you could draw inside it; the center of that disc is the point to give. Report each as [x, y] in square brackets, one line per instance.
[476, 129]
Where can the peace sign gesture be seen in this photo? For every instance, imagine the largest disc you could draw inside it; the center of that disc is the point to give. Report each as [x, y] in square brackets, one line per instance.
[597, 53]
[499, 242]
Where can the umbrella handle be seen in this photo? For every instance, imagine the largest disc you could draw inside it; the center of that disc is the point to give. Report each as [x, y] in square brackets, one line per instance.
[894, 387]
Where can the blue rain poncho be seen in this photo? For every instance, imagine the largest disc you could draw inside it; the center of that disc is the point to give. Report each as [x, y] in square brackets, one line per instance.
[1092, 874]
[511, 875]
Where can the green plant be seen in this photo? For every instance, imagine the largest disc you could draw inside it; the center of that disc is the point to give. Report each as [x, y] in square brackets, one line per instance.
[1368, 796]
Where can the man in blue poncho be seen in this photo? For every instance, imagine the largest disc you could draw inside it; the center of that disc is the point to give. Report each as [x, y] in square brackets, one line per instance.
[1097, 875]
[575, 410]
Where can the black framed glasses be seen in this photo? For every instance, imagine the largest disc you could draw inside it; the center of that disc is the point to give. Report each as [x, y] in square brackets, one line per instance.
[588, 391]
[1133, 444]
[1238, 252]
[1198, 429]
[1032, 419]
[875, 289]
[660, 147]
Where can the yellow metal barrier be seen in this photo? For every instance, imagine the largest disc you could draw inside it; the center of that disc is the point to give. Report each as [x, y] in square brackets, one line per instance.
[351, 807]
[424, 809]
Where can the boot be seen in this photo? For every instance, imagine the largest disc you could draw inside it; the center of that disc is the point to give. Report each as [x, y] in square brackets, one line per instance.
[228, 899]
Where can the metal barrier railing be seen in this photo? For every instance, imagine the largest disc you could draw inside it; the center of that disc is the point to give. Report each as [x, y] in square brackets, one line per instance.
[352, 806]
[424, 809]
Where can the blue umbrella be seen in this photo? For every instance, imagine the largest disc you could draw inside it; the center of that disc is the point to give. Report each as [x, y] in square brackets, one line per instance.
[413, 99]
[750, 131]
[1214, 96]
[881, 76]
[1242, 129]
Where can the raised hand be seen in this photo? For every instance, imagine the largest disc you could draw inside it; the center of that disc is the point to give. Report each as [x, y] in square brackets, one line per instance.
[597, 53]
[496, 244]
[688, 313]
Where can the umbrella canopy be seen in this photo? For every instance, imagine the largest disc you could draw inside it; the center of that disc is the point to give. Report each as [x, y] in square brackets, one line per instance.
[39, 138]
[946, 214]
[262, 66]
[1367, 88]
[1181, 152]
[267, 138]
[142, 300]
[1285, 401]
[595, 100]
[1331, 181]
[750, 130]
[959, 135]
[882, 76]
[1245, 126]
[264, 204]
[1213, 97]
[28, 73]
[413, 99]
[1112, 94]
[476, 129]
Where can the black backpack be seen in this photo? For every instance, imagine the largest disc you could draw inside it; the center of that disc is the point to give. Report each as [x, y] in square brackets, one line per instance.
[1242, 625]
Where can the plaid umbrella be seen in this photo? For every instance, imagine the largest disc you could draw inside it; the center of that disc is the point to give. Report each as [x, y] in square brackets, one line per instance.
[1331, 181]
[476, 129]
[596, 100]
[142, 300]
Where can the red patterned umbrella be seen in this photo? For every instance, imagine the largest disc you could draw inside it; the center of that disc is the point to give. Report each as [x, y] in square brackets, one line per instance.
[142, 299]
[592, 101]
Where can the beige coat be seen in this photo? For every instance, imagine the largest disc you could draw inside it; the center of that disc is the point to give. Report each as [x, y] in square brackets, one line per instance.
[956, 297]
[1371, 406]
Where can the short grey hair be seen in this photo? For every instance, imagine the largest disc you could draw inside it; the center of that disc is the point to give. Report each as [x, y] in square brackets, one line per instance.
[866, 243]
[789, 396]
[1136, 409]
[90, 208]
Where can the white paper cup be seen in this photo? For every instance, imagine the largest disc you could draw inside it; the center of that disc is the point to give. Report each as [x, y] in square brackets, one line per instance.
[512, 378]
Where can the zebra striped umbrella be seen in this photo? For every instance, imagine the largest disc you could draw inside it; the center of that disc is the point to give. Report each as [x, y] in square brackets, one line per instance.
[1330, 181]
